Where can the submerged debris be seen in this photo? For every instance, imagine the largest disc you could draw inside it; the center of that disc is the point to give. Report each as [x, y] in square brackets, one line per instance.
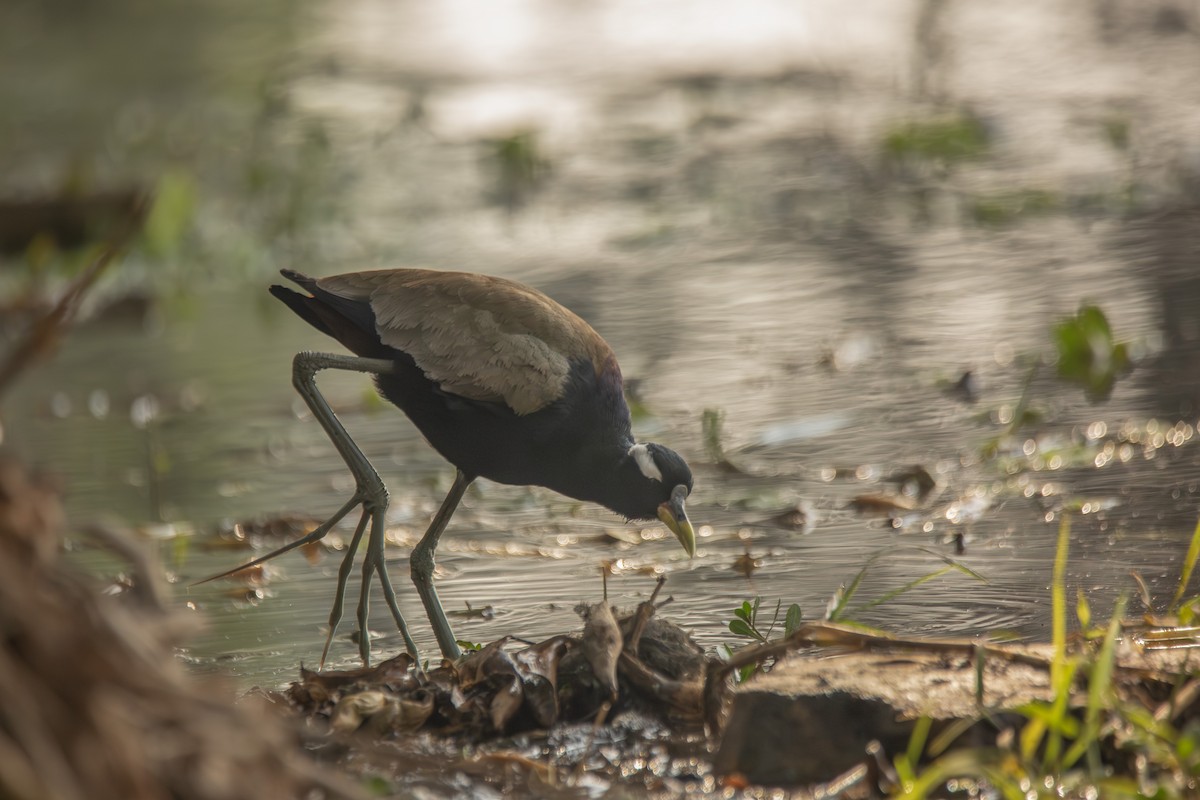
[635, 662]
[881, 504]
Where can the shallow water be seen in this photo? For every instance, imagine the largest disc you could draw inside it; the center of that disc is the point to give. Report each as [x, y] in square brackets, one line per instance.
[713, 199]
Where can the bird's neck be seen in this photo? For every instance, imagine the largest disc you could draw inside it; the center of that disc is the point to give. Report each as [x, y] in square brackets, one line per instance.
[603, 475]
[595, 464]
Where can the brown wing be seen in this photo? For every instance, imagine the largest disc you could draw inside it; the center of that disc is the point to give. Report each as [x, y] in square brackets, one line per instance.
[476, 336]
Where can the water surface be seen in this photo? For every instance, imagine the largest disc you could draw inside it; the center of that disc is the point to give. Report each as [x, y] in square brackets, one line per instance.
[718, 202]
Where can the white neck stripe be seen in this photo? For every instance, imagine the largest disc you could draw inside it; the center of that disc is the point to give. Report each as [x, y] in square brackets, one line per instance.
[645, 462]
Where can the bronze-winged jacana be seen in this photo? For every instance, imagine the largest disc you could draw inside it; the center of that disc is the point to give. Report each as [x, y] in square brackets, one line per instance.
[504, 382]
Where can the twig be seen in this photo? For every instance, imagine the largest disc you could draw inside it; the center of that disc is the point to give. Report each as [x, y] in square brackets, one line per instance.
[830, 634]
[682, 696]
[1179, 701]
[45, 331]
[842, 784]
[642, 616]
[881, 774]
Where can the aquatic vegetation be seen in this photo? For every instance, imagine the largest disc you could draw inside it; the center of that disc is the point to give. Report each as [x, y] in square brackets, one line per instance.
[170, 215]
[745, 620]
[1008, 207]
[1088, 353]
[949, 138]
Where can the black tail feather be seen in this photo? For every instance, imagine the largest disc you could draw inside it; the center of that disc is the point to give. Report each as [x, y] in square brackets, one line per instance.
[299, 278]
[351, 322]
[302, 305]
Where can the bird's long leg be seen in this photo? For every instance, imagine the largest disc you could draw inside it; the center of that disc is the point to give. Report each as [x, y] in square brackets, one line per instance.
[421, 563]
[364, 605]
[369, 490]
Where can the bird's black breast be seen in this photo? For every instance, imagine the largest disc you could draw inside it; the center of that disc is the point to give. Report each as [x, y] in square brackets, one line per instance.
[560, 446]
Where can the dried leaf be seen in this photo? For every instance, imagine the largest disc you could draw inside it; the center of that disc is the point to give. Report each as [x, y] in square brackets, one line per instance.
[507, 700]
[313, 553]
[284, 526]
[542, 658]
[490, 660]
[405, 714]
[354, 709]
[881, 503]
[602, 644]
[394, 672]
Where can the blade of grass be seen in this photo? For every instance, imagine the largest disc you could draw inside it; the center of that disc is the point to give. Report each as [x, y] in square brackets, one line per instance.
[1058, 596]
[835, 614]
[958, 565]
[848, 593]
[1061, 724]
[1099, 691]
[1018, 417]
[1189, 564]
[916, 742]
[774, 619]
[977, 762]
[937, 573]
[1047, 713]
[949, 735]
[1061, 670]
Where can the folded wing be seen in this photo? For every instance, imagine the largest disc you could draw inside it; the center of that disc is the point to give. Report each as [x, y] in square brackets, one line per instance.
[476, 336]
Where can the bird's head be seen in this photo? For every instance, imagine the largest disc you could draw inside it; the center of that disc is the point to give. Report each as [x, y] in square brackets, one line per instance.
[663, 486]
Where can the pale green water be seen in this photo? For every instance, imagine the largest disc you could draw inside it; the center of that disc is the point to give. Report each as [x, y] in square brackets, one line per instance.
[722, 214]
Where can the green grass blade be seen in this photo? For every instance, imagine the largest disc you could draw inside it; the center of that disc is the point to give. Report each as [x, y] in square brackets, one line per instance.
[848, 592]
[958, 565]
[1099, 689]
[1058, 595]
[937, 573]
[916, 742]
[1189, 564]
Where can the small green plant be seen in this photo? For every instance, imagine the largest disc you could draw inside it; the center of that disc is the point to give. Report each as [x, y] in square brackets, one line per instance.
[1088, 354]
[745, 623]
[745, 620]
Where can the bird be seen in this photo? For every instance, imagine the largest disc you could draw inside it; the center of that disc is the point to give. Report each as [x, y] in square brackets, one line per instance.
[504, 382]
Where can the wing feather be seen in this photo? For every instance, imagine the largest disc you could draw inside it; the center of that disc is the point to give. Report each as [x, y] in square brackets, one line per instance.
[476, 336]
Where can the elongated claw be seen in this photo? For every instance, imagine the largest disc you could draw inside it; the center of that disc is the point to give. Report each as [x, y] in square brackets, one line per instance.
[339, 597]
[316, 535]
